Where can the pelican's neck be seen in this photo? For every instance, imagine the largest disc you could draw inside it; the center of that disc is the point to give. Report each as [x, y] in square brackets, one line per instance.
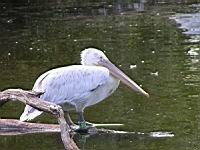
[115, 81]
[114, 78]
[85, 64]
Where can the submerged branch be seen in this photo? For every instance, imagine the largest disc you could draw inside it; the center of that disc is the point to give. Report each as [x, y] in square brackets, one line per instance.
[30, 98]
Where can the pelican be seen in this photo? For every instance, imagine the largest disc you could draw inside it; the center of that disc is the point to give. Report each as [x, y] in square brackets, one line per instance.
[79, 86]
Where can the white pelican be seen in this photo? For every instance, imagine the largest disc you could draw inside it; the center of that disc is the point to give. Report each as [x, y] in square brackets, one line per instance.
[80, 86]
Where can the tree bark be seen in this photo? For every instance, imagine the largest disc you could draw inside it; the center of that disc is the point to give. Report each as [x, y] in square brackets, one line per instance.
[30, 98]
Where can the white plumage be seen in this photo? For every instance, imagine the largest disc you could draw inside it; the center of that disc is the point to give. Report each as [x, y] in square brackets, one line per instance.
[78, 86]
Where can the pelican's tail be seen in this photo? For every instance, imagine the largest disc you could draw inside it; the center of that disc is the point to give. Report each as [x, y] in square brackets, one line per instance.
[29, 113]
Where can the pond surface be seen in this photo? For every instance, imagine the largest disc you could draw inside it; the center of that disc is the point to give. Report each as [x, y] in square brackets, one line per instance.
[157, 43]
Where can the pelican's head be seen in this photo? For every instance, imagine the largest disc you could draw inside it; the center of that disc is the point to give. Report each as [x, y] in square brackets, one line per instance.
[95, 57]
[92, 56]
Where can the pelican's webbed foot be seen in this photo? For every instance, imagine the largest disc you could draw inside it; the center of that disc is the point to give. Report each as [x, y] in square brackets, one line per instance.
[85, 129]
[82, 125]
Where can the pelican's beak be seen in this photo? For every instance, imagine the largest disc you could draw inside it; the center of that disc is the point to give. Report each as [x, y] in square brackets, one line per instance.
[122, 77]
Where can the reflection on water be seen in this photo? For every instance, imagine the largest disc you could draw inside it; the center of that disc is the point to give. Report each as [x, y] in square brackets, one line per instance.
[189, 22]
[190, 25]
[138, 36]
[119, 139]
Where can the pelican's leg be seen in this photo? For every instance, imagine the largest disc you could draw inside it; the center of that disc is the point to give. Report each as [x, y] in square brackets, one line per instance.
[68, 119]
[82, 123]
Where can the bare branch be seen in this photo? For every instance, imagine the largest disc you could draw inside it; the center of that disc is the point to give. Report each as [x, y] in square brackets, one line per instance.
[30, 98]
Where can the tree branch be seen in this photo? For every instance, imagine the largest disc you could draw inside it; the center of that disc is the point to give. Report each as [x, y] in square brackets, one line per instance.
[30, 98]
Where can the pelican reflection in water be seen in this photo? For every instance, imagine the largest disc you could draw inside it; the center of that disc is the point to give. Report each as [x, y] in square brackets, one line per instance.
[79, 86]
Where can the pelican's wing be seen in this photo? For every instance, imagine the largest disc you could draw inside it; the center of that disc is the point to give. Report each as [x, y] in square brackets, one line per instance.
[68, 84]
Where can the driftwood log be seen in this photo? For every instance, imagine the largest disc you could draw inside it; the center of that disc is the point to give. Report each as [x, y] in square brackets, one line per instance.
[30, 98]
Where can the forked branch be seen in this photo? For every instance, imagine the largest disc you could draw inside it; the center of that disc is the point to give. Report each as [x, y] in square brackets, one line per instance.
[30, 98]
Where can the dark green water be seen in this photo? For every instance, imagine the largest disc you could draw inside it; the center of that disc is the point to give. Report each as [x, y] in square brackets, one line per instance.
[38, 35]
